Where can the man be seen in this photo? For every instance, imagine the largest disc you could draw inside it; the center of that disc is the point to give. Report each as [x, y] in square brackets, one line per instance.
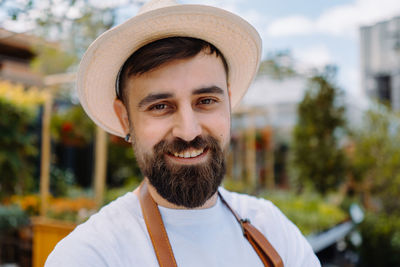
[166, 80]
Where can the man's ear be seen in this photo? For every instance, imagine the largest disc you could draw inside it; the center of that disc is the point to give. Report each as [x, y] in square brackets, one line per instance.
[122, 115]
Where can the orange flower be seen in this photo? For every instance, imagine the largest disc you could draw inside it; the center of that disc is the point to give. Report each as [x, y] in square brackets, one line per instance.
[60, 205]
[28, 203]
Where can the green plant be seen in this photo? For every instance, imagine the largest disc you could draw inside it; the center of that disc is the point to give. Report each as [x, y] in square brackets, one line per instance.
[12, 217]
[19, 112]
[380, 240]
[114, 193]
[317, 157]
[60, 181]
[310, 212]
[30, 204]
[18, 148]
[239, 186]
[52, 60]
[72, 127]
[376, 155]
[121, 164]
[71, 209]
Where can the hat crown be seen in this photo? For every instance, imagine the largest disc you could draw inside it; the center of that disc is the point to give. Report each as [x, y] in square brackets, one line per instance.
[156, 4]
[237, 40]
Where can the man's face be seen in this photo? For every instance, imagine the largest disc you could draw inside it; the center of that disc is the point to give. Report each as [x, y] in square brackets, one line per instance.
[179, 119]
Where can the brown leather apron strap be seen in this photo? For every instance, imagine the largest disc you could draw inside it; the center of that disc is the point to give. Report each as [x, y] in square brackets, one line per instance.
[261, 245]
[156, 229]
[162, 246]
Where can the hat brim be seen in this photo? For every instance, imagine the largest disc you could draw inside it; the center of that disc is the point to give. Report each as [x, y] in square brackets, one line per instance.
[237, 40]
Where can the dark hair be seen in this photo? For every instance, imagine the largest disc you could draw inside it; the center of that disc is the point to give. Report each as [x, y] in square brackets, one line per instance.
[159, 52]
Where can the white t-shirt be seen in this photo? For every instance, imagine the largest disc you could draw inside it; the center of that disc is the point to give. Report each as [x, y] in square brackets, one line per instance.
[117, 236]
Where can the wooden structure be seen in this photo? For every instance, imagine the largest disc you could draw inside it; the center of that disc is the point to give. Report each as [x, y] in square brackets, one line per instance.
[46, 234]
[100, 148]
[251, 140]
[15, 56]
[45, 153]
[100, 166]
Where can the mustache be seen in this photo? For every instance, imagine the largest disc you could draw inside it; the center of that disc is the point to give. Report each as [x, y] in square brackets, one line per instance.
[179, 145]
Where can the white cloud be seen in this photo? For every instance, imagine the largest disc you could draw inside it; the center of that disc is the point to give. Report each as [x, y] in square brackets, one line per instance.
[315, 56]
[294, 25]
[338, 20]
[255, 17]
[230, 5]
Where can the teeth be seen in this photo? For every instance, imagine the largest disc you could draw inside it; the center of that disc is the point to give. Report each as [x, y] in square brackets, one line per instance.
[188, 154]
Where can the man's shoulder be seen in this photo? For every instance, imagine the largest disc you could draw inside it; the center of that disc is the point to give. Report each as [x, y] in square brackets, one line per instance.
[284, 236]
[115, 214]
[95, 237]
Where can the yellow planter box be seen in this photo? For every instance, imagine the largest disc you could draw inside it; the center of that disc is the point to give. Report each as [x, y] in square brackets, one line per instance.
[46, 234]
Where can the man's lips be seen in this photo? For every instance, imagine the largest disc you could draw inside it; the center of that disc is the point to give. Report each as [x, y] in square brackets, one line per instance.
[189, 156]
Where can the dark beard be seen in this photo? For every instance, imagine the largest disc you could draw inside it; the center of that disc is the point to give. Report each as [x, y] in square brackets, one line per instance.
[189, 186]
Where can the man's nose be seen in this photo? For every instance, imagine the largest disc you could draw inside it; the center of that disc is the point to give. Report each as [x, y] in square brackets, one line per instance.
[187, 126]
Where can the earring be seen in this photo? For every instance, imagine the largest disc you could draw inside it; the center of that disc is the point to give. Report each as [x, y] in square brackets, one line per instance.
[127, 137]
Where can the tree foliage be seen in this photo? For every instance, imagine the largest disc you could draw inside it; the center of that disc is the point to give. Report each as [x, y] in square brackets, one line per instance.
[52, 60]
[18, 143]
[17, 149]
[319, 160]
[376, 156]
[278, 66]
[73, 24]
[381, 240]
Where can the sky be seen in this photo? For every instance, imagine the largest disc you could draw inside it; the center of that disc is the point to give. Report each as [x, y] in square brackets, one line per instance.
[316, 32]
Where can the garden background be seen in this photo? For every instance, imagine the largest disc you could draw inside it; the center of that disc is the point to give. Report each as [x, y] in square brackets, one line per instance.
[324, 172]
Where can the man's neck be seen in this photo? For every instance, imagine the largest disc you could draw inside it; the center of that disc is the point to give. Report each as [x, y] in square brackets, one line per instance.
[165, 203]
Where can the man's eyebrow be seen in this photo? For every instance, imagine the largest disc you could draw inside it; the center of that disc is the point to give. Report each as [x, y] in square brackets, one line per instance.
[153, 97]
[208, 90]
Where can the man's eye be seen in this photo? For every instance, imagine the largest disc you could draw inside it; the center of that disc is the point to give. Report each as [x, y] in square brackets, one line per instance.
[159, 107]
[207, 101]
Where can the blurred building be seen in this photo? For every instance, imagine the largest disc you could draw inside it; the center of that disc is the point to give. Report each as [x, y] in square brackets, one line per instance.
[275, 100]
[261, 127]
[16, 53]
[380, 61]
[263, 122]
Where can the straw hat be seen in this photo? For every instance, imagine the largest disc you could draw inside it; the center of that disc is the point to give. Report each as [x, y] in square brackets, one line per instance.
[237, 40]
